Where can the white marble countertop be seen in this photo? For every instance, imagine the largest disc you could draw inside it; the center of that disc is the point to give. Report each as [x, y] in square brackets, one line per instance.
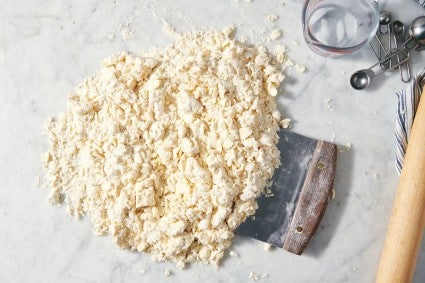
[47, 47]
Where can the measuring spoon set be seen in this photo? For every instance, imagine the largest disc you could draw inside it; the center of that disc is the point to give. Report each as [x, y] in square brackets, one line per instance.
[392, 46]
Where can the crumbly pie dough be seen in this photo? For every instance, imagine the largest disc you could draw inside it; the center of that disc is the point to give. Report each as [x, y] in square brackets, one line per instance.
[166, 151]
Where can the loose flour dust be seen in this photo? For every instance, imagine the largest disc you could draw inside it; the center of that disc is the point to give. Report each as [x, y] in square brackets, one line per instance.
[167, 151]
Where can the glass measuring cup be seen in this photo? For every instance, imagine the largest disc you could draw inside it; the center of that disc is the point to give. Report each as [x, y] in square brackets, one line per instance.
[336, 27]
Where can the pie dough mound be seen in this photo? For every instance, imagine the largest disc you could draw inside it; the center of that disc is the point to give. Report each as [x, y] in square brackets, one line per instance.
[167, 151]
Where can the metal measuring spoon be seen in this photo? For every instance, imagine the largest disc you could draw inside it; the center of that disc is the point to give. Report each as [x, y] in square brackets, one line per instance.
[417, 34]
[361, 79]
[399, 31]
[384, 21]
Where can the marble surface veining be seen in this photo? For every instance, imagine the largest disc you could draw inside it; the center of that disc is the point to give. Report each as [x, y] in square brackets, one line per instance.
[47, 47]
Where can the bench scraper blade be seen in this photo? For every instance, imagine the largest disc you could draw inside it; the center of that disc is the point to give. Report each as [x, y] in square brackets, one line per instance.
[301, 189]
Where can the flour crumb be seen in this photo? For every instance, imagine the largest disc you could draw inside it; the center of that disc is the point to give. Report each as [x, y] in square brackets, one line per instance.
[111, 36]
[127, 31]
[376, 176]
[181, 264]
[267, 246]
[328, 103]
[285, 123]
[288, 63]
[229, 31]
[271, 18]
[280, 53]
[268, 193]
[253, 276]
[276, 34]
[168, 272]
[296, 43]
[233, 253]
[300, 68]
[264, 275]
[170, 30]
[345, 148]
[142, 271]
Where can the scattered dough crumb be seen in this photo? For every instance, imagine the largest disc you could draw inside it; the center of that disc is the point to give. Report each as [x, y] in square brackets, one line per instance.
[276, 34]
[288, 62]
[328, 103]
[111, 36]
[271, 18]
[268, 193]
[295, 42]
[280, 52]
[267, 246]
[142, 271]
[127, 31]
[180, 264]
[233, 253]
[346, 147]
[333, 194]
[170, 30]
[285, 123]
[300, 68]
[376, 176]
[167, 272]
[229, 31]
[253, 276]
[265, 275]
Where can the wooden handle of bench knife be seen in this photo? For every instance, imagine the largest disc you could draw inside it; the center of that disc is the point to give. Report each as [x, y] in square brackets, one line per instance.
[407, 220]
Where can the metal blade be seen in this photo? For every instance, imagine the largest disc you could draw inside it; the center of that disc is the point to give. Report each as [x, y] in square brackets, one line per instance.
[274, 214]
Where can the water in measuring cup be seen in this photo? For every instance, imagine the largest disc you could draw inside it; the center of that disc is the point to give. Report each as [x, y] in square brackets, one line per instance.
[333, 25]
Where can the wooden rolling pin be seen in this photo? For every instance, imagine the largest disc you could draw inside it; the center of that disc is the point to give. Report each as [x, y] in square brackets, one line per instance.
[407, 220]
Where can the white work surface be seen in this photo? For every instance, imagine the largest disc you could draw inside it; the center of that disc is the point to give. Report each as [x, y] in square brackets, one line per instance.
[48, 47]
